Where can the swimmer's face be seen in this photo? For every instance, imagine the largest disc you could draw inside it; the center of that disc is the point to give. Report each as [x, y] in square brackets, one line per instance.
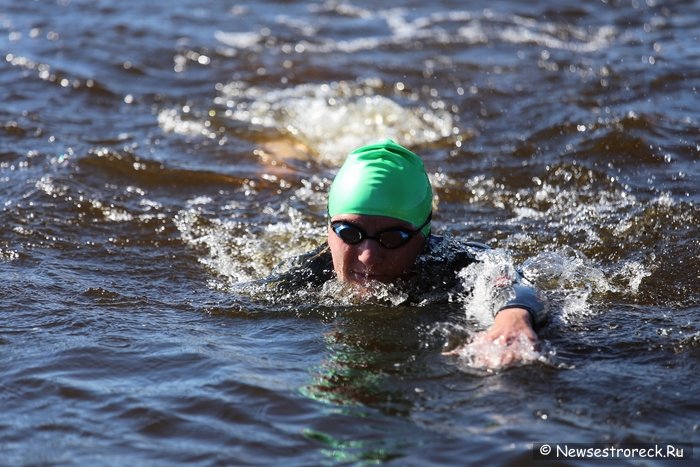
[368, 260]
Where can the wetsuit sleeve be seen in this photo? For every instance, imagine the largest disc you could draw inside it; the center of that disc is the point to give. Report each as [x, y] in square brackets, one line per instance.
[519, 294]
[523, 295]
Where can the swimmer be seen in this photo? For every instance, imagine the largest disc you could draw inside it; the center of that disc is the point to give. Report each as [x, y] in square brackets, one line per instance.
[379, 230]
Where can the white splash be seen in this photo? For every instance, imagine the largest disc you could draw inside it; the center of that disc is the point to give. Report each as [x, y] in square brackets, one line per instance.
[488, 280]
[493, 355]
[634, 272]
[570, 279]
[336, 293]
[332, 119]
[236, 254]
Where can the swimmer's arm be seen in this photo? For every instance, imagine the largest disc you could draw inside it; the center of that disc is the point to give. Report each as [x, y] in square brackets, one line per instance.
[520, 315]
[527, 298]
[522, 293]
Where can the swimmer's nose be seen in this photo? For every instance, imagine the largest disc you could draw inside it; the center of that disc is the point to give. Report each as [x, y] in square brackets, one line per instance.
[369, 253]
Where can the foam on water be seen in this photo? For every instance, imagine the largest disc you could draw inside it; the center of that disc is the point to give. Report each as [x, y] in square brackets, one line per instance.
[631, 274]
[236, 253]
[592, 219]
[235, 249]
[332, 119]
[566, 268]
[335, 293]
[570, 280]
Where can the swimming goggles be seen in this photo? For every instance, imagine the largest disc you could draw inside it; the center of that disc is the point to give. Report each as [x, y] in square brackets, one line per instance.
[390, 238]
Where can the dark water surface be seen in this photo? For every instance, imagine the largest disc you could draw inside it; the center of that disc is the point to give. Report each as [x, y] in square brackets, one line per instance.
[154, 156]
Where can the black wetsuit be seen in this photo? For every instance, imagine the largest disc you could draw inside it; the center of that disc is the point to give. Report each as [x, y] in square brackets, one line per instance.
[434, 274]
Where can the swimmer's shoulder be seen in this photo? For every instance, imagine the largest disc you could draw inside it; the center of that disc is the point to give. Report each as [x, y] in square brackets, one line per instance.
[437, 243]
[454, 252]
[315, 266]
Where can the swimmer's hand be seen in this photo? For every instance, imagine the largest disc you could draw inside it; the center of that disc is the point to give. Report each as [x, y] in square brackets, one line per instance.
[510, 340]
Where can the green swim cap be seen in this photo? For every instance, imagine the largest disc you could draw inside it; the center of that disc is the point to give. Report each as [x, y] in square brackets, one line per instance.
[383, 179]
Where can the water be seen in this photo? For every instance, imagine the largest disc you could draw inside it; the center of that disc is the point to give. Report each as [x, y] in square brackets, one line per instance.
[157, 156]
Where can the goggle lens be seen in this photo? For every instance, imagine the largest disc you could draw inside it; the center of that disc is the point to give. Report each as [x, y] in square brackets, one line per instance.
[348, 233]
[390, 239]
